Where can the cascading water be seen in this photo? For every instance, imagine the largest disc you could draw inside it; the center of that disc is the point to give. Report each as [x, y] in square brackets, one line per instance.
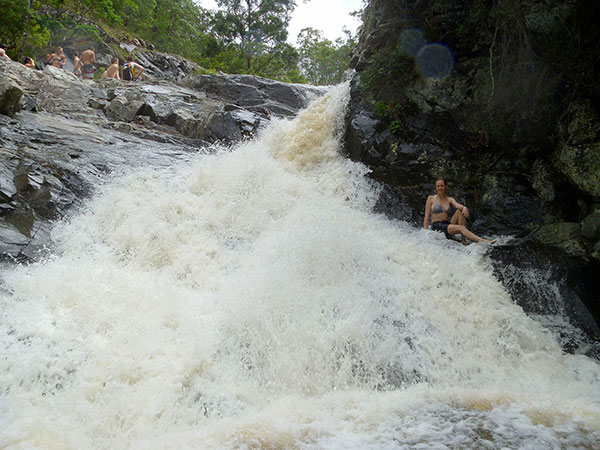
[251, 299]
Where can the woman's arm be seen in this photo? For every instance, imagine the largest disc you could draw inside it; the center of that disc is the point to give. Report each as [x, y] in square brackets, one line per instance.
[462, 208]
[427, 209]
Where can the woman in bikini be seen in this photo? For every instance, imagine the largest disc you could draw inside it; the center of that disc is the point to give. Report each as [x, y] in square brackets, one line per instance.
[56, 59]
[439, 206]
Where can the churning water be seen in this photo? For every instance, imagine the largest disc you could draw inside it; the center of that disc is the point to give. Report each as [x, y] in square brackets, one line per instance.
[251, 299]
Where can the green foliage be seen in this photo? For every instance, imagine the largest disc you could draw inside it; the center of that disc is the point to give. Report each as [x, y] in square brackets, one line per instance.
[98, 9]
[323, 62]
[388, 75]
[253, 27]
[177, 26]
[383, 109]
[396, 127]
[397, 114]
[21, 26]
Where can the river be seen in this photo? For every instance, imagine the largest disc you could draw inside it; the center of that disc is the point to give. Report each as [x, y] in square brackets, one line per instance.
[251, 299]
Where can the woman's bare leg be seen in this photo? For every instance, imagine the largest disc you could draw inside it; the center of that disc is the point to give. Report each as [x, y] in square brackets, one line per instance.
[459, 219]
[455, 229]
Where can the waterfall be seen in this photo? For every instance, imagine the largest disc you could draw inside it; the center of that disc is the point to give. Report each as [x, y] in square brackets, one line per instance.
[251, 298]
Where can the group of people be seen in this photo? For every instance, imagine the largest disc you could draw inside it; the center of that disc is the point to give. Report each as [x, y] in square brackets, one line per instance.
[84, 64]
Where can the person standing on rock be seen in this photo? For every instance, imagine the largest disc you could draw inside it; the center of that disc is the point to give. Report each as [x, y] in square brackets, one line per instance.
[439, 206]
[113, 70]
[3, 52]
[131, 70]
[87, 60]
[76, 65]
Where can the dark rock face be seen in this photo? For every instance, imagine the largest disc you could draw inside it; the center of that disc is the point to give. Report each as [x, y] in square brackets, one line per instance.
[60, 136]
[508, 149]
[515, 141]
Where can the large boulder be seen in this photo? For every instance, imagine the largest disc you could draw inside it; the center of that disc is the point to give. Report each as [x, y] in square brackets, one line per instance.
[10, 94]
[578, 155]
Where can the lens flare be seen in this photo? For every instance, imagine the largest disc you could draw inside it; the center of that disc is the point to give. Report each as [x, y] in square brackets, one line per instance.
[411, 41]
[435, 61]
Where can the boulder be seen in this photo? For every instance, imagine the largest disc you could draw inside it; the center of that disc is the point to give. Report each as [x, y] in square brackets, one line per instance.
[590, 226]
[565, 236]
[10, 96]
[122, 109]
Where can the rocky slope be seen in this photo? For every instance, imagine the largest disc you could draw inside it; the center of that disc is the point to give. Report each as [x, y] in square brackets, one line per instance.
[60, 136]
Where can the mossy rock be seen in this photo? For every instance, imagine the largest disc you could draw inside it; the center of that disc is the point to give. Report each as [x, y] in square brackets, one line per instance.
[578, 155]
[581, 166]
[542, 180]
[564, 235]
[584, 124]
[596, 251]
[590, 226]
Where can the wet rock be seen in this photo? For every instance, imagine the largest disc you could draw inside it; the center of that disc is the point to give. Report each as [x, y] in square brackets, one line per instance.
[508, 206]
[256, 94]
[547, 282]
[542, 180]
[123, 109]
[12, 241]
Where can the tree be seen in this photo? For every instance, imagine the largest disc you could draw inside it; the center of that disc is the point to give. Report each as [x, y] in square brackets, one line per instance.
[21, 27]
[254, 26]
[323, 62]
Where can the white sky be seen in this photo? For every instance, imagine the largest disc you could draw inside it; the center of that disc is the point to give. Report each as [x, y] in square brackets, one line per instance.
[329, 16]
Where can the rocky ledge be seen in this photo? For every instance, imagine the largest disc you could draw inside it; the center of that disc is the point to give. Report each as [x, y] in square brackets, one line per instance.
[61, 136]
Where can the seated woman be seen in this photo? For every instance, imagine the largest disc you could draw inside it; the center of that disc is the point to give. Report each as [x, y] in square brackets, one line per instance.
[438, 207]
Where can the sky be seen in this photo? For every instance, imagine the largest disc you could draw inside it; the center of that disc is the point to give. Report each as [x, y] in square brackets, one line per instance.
[329, 16]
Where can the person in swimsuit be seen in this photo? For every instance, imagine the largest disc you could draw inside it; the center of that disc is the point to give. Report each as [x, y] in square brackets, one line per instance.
[77, 65]
[57, 59]
[112, 71]
[87, 60]
[439, 207]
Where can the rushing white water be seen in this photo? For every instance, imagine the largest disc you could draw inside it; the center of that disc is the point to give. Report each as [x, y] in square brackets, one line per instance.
[251, 299]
